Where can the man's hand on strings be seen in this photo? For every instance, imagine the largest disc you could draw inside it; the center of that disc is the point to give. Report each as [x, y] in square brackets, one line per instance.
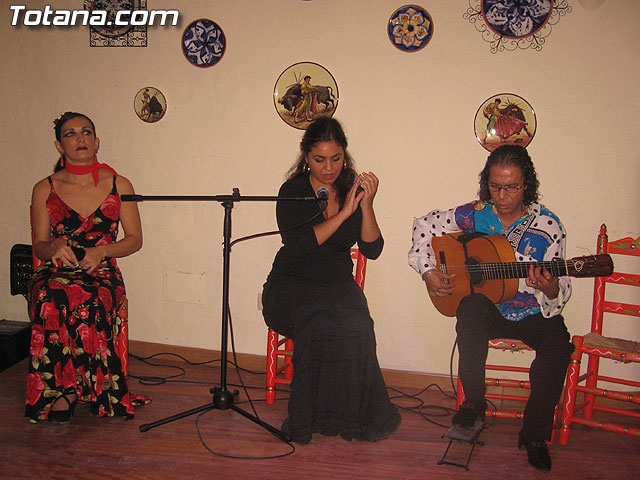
[439, 283]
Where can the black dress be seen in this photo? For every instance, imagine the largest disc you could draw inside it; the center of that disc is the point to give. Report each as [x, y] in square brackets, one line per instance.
[311, 297]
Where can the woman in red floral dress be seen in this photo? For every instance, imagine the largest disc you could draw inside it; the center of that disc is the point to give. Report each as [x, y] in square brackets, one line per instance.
[78, 304]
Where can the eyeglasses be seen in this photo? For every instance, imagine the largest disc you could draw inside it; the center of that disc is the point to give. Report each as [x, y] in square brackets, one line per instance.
[495, 188]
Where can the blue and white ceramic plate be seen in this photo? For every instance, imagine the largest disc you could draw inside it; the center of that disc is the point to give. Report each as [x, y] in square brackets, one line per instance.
[112, 7]
[203, 43]
[410, 28]
[514, 18]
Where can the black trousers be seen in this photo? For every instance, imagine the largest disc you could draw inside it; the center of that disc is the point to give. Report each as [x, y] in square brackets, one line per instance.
[479, 321]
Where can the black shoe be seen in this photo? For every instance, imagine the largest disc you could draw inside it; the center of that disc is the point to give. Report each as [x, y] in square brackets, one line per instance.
[284, 428]
[468, 414]
[62, 416]
[94, 408]
[537, 452]
[288, 437]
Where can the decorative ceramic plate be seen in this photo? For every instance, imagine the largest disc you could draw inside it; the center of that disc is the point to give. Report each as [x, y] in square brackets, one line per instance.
[514, 18]
[505, 119]
[150, 104]
[410, 28]
[203, 43]
[304, 92]
[112, 7]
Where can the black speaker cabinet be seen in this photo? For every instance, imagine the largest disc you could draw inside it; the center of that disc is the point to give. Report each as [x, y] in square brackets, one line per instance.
[14, 342]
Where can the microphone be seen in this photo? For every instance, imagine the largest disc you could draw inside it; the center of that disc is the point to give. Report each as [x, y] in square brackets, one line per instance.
[323, 197]
[323, 193]
[79, 252]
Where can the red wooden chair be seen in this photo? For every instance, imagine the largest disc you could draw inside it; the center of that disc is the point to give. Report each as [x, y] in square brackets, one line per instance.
[281, 372]
[496, 387]
[597, 346]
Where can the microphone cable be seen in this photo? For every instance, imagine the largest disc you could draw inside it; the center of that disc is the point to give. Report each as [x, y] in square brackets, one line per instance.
[275, 232]
[322, 203]
[233, 351]
[292, 447]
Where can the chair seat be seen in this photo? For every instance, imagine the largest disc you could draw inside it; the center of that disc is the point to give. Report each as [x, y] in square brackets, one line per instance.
[595, 340]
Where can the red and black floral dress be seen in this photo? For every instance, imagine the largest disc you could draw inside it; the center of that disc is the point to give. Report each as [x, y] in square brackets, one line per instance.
[79, 320]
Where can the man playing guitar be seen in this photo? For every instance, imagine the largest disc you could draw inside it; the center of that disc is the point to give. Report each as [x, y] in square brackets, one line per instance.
[508, 205]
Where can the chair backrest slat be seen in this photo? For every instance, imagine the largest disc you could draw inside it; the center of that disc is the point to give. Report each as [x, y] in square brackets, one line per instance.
[360, 268]
[624, 246]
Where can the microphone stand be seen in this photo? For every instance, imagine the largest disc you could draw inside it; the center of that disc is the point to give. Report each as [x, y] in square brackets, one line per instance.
[222, 398]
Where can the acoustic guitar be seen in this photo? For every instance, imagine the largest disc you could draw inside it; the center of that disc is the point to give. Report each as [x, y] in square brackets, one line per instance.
[486, 264]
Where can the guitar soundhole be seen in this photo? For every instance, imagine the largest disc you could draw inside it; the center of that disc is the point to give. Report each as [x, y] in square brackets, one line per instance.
[475, 274]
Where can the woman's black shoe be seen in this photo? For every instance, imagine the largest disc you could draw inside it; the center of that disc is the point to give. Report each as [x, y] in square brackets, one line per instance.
[94, 408]
[288, 437]
[537, 452]
[62, 416]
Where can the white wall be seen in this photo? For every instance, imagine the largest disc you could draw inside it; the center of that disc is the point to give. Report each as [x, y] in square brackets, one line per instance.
[409, 118]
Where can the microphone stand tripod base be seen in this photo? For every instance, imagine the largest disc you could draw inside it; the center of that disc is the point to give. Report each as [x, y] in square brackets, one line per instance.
[223, 399]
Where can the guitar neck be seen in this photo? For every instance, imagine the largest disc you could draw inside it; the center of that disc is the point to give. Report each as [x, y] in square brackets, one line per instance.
[487, 266]
[492, 271]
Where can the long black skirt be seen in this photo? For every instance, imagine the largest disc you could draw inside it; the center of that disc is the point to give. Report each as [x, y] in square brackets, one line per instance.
[337, 386]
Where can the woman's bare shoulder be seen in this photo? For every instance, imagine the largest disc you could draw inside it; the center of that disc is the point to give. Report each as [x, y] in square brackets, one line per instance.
[124, 185]
[42, 187]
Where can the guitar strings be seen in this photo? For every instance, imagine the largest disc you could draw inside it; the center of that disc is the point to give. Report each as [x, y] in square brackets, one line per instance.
[517, 265]
[496, 266]
[512, 267]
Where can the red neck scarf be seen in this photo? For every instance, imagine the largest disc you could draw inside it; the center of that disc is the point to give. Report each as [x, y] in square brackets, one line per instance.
[92, 169]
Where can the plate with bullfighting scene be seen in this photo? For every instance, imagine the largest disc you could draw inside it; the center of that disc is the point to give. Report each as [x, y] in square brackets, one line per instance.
[303, 92]
[150, 104]
[505, 119]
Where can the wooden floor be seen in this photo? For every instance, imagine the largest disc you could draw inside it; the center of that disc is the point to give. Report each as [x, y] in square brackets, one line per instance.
[108, 448]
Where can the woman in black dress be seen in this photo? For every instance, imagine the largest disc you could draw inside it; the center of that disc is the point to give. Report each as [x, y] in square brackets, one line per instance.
[311, 297]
